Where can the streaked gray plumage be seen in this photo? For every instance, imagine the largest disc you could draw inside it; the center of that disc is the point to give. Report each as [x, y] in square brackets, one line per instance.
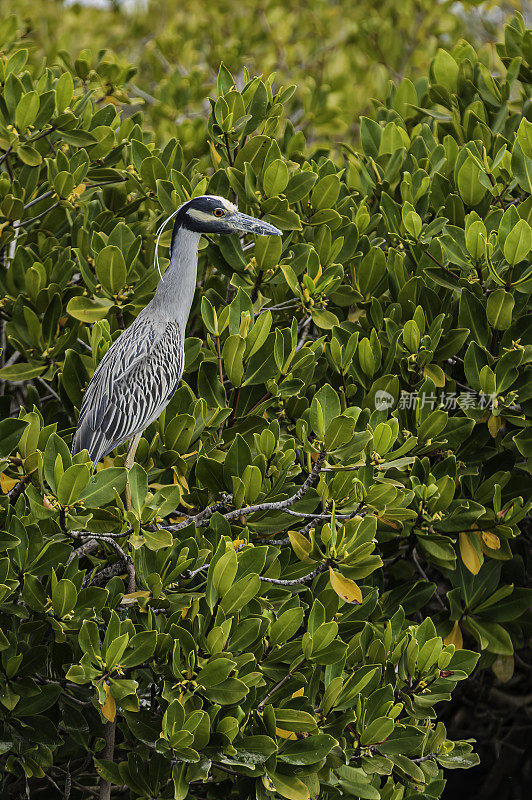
[131, 385]
[141, 370]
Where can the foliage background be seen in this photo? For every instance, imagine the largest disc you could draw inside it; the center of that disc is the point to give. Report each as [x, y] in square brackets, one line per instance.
[386, 192]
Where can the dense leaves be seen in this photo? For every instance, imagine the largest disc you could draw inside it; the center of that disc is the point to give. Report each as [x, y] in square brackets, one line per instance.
[329, 507]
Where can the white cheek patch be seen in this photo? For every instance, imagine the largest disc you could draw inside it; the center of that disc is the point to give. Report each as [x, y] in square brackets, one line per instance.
[201, 216]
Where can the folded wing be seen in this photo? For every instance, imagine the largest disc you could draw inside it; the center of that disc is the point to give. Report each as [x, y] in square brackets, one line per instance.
[130, 387]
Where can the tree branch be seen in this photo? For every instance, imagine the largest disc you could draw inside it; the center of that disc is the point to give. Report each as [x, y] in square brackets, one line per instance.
[296, 581]
[105, 574]
[107, 755]
[17, 490]
[23, 222]
[201, 520]
[278, 686]
[280, 505]
[88, 547]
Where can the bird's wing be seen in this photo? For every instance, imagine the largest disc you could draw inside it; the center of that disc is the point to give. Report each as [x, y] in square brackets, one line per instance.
[130, 387]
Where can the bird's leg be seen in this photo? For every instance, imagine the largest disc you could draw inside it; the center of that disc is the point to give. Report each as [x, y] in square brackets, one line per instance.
[128, 463]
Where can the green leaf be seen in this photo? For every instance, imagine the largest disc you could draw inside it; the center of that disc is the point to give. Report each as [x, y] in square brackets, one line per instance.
[224, 572]
[518, 243]
[45, 698]
[64, 597]
[240, 594]
[300, 185]
[26, 111]
[377, 731]
[237, 458]
[499, 309]
[110, 269]
[522, 167]
[491, 636]
[101, 488]
[138, 484]
[476, 237]
[471, 315]
[325, 192]
[215, 672]
[411, 335]
[254, 749]
[115, 650]
[370, 136]
[21, 372]
[87, 309]
[275, 178]
[29, 155]
[72, 483]
[307, 751]
[64, 91]
[10, 432]
[444, 70]
[286, 626]
[286, 786]
[371, 271]
[289, 719]
[469, 184]
[89, 639]
[228, 692]
[233, 358]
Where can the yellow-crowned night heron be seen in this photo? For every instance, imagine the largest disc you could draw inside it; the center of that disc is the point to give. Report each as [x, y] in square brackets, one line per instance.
[141, 370]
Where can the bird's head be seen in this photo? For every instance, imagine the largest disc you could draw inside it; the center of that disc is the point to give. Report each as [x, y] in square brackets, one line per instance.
[213, 214]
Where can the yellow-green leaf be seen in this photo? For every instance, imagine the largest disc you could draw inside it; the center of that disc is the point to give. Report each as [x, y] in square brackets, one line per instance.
[455, 637]
[286, 785]
[344, 587]
[300, 545]
[471, 555]
[109, 707]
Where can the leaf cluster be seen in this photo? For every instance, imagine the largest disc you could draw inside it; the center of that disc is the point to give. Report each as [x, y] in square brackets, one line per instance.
[331, 505]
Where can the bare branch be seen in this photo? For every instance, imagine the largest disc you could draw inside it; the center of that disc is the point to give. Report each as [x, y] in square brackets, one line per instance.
[280, 505]
[278, 686]
[105, 574]
[107, 755]
[125, 558]
[23, 222]
[87, 547]
[296, 581]
[201, 520]
[38, 199]
[17, 490]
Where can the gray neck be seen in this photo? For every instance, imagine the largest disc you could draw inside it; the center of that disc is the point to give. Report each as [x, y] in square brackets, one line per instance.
[176, 288]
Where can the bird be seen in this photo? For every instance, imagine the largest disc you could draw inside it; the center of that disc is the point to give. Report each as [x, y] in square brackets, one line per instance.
[140, 372]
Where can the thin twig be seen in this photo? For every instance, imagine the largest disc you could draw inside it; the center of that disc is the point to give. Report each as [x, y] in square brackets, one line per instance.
[421, 759]
[15, 493]
[278, 686]
[12, 359]
[424, 574]
[280, 505]
[87, 547]
[201, 521]
[130, 567]
[105, 574]
[304, 331]
[49, 388]
[296, 581]
[38, 199]
[23, 222]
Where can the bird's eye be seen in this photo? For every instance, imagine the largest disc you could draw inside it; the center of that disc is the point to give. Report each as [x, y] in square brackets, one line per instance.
[218, 212]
